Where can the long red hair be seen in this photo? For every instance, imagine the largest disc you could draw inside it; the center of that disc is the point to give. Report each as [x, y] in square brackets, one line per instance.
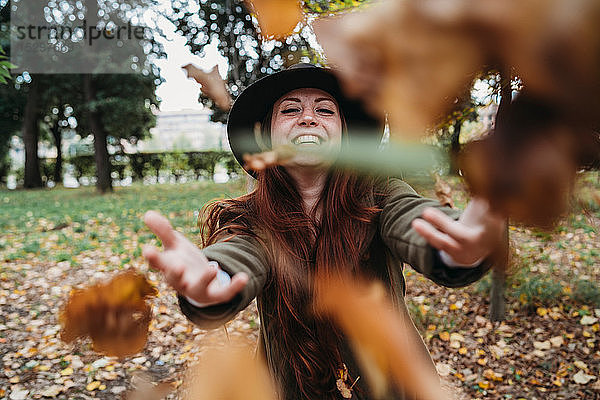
[299, 247]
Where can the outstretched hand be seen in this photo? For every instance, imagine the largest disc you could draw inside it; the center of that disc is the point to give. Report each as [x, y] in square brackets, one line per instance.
[185, 267]
[473, 237]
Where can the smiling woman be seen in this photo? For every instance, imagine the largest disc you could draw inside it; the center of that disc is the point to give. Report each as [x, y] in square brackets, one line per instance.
[307, 117]
[308, 219]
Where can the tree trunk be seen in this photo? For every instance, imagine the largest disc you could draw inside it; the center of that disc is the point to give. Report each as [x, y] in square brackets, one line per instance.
[103, 181]
[57, 135]
[497, 301]
[455, 148]
[33, 177]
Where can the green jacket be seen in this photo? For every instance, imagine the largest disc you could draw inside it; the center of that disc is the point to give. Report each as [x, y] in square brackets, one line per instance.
[394, 243]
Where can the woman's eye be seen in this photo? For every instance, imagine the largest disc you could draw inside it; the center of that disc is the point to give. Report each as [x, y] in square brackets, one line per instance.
[290, 110]
[326, 111]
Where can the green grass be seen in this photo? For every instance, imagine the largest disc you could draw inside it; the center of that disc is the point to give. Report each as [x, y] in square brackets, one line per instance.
[59, 224]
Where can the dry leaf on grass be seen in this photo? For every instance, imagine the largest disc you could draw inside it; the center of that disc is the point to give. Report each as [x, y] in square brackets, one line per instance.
[113, 314]
[582, 378]
[213, 85]
[231, 372]
[383, 338]
[277, 19]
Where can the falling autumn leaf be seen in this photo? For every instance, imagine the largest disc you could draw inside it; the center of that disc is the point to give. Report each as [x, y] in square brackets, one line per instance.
[231, 372]
[382, 337]
[401, 64]
[277, 19]
[213, 85]
[113, 314]
[529, 178]
[145, 389]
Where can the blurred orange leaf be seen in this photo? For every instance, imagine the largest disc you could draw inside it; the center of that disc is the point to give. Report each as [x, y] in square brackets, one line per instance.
[229, 373]
[113, 314]
[383, 338]
[145, 389]
[277, 19]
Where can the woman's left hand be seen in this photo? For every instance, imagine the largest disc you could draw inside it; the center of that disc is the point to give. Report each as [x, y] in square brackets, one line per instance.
[473, 237]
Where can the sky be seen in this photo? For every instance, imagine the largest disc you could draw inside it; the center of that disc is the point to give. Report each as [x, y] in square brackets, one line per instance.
[178, 92]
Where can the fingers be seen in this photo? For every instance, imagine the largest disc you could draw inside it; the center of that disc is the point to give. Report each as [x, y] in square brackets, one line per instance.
[224, 294]
[173, 273]
[161, 227]
[209, 291]
[446, 224]
[436, 238]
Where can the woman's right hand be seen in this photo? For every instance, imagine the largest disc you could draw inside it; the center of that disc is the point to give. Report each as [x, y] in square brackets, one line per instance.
[185, 267]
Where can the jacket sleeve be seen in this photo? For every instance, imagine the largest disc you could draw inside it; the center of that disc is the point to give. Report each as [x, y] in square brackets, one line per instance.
[400, 208]
[241, 253]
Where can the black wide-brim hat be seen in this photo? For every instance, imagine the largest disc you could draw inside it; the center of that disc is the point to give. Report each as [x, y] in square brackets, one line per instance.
[253, 104]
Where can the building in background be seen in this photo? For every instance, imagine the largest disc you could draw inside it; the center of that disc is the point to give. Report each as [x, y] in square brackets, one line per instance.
[185, 130]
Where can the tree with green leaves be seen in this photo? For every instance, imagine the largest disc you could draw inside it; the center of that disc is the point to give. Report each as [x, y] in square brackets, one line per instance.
[5, 67]
[111, 107]
[250, 57]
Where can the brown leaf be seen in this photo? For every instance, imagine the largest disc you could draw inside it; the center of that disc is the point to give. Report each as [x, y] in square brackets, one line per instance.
[399, 61]
[213, 85]
[230, 372]
[383, 338]
[526, 168]
[114, 314]
[277, 19]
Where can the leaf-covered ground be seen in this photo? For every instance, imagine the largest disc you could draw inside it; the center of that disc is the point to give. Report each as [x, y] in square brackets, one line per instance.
[53, 241]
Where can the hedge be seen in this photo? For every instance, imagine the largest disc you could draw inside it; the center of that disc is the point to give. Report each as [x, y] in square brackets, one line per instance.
[138, 166]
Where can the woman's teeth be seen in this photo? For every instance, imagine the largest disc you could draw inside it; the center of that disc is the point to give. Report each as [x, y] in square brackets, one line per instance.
[307, 139]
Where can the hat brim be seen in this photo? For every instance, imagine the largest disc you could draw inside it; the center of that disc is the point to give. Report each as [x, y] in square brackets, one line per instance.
[258, 99]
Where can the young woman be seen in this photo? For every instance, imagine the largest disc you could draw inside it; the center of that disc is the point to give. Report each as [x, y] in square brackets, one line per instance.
[308, 217]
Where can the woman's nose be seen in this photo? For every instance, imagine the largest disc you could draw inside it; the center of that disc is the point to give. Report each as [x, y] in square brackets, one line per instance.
[308, 118]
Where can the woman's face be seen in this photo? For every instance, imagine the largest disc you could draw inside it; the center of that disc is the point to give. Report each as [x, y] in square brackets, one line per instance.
[308, 119]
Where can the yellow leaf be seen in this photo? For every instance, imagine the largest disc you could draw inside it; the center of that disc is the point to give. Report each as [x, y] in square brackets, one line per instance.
[67, 371]
[445, 336]
[462, 350]
[483, 384]
[482, 361]
[92, 385]
[541, 311]
[492, 376]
